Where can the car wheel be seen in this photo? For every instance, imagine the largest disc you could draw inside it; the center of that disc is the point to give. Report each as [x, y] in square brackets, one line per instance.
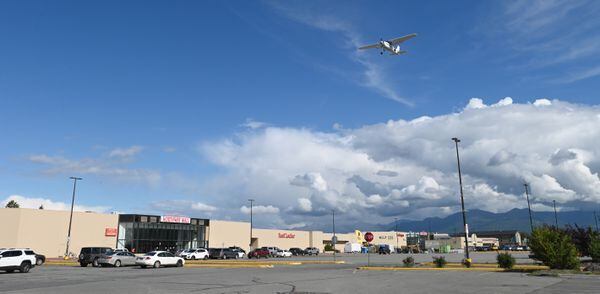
[118, 263]
[39, 262]
[206, 257]
[179, 263]
[10, 271]
[224, 256]
[156, 264]
[83, 264]
[193, 257]
[25, 267]
[95, 262]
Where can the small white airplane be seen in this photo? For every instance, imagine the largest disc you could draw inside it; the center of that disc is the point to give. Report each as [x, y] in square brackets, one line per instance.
[389, 45]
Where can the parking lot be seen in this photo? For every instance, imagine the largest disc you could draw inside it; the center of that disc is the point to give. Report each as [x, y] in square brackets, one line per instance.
[307, 278]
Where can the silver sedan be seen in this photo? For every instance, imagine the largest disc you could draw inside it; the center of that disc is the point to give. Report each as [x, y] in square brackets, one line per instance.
[117, 259]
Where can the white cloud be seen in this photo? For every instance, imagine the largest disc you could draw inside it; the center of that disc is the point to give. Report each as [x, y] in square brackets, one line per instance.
[253, 124]
[31, 202]
[125, 153]
[308, 173]
[183, 207]
[260, 209]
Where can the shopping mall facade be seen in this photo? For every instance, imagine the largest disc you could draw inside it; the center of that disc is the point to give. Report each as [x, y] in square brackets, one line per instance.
[46, 232]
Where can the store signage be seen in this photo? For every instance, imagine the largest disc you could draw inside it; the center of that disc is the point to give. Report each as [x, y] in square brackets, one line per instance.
[287, 236]
[369, 237]
[175, 219]
[400, 235]
[423, 233]
[386, 237]
[110, 232]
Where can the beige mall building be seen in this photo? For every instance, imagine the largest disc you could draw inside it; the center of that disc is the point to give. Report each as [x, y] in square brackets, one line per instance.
[45, 231]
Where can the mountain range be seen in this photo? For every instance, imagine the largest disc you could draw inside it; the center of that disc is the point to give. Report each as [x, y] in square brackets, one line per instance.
[480, 220]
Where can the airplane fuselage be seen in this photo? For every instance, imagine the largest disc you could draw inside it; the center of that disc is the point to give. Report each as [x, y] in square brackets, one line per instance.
[385, 45]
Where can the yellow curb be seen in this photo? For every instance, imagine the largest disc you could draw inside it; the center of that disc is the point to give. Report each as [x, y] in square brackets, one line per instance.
[229, 265]
[383, 268]
[275, 262]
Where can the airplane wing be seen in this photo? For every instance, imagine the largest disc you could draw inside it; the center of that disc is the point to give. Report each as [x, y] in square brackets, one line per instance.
[402, 39]
[377, 45]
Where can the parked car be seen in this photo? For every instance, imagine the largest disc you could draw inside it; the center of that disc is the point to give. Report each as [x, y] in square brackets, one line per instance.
[91, 255]
[272, 251]
[40, 259]
[297, 251]
[117, 259]
[312, 251]
[198, 253]
[259, 253]
[241, 252]
[384, 249]
[157, 259]
[222, 253]
[283, 253]
[121, 250]
[12, 259]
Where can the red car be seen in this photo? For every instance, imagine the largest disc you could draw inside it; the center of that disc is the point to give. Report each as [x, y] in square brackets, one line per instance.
[258, 253]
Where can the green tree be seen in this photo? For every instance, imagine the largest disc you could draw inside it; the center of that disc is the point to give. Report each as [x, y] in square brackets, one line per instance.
[553, 248]
[12, 204]
[595, 248]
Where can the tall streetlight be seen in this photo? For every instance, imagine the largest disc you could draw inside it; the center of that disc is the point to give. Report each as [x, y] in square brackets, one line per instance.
[334, 239]
[596, 220]
[396, 232]
[462, 201]
[75, 179]
[251, 202]
[528, 206]
[555, 215]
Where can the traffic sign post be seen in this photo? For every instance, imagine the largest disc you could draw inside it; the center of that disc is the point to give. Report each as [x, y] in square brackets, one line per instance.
[369, 237]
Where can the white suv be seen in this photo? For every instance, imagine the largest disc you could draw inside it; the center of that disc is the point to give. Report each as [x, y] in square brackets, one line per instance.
[12, 259]
[199, 253]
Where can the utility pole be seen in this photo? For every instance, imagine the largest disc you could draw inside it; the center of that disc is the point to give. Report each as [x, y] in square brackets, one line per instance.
[462, 201]
[334, 239]
[75, 179]
[528, 206]
[251, 201]
[396, 232]
[596, 220]
[555, 215]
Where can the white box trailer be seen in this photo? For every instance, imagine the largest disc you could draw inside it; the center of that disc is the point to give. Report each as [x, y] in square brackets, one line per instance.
[352, 248]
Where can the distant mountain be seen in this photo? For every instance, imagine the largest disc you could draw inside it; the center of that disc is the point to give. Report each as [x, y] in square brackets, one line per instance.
[479, 220]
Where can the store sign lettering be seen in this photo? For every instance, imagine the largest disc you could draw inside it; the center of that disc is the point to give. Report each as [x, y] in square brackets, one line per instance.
[386, 237]
[175, 219]
[287, 236]
[110, 232]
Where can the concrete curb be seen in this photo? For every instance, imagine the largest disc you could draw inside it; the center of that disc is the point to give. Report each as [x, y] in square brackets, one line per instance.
[455, 268]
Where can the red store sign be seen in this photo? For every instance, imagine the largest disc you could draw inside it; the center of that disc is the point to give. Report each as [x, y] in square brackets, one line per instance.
[110, 232]
[287, 236]
[175, 219]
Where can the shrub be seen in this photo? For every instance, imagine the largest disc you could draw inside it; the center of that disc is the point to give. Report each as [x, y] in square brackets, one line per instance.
[409, 261]
[328, 247]
[581, 238]
[505, 260]
[439, 261]
[553, 248]
[595, 249]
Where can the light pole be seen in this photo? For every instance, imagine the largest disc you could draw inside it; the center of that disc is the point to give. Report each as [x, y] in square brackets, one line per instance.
[75, 179]
[555, 215]
[396, 232]
[334, 239]
[596, 220]
[528, 206]
[462, 201]
[251, 201]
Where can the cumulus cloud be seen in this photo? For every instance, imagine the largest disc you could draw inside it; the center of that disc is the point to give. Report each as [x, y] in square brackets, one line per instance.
[35, 203]
[305, 173]
[183, 207]
[260, 209]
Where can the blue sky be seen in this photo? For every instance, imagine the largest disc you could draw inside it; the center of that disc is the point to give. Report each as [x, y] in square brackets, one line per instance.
[130, 95]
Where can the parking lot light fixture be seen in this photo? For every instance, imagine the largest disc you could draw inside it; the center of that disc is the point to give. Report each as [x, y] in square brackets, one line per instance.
[251, 202]
[528, 206]
[75, 179]
[462, 201]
